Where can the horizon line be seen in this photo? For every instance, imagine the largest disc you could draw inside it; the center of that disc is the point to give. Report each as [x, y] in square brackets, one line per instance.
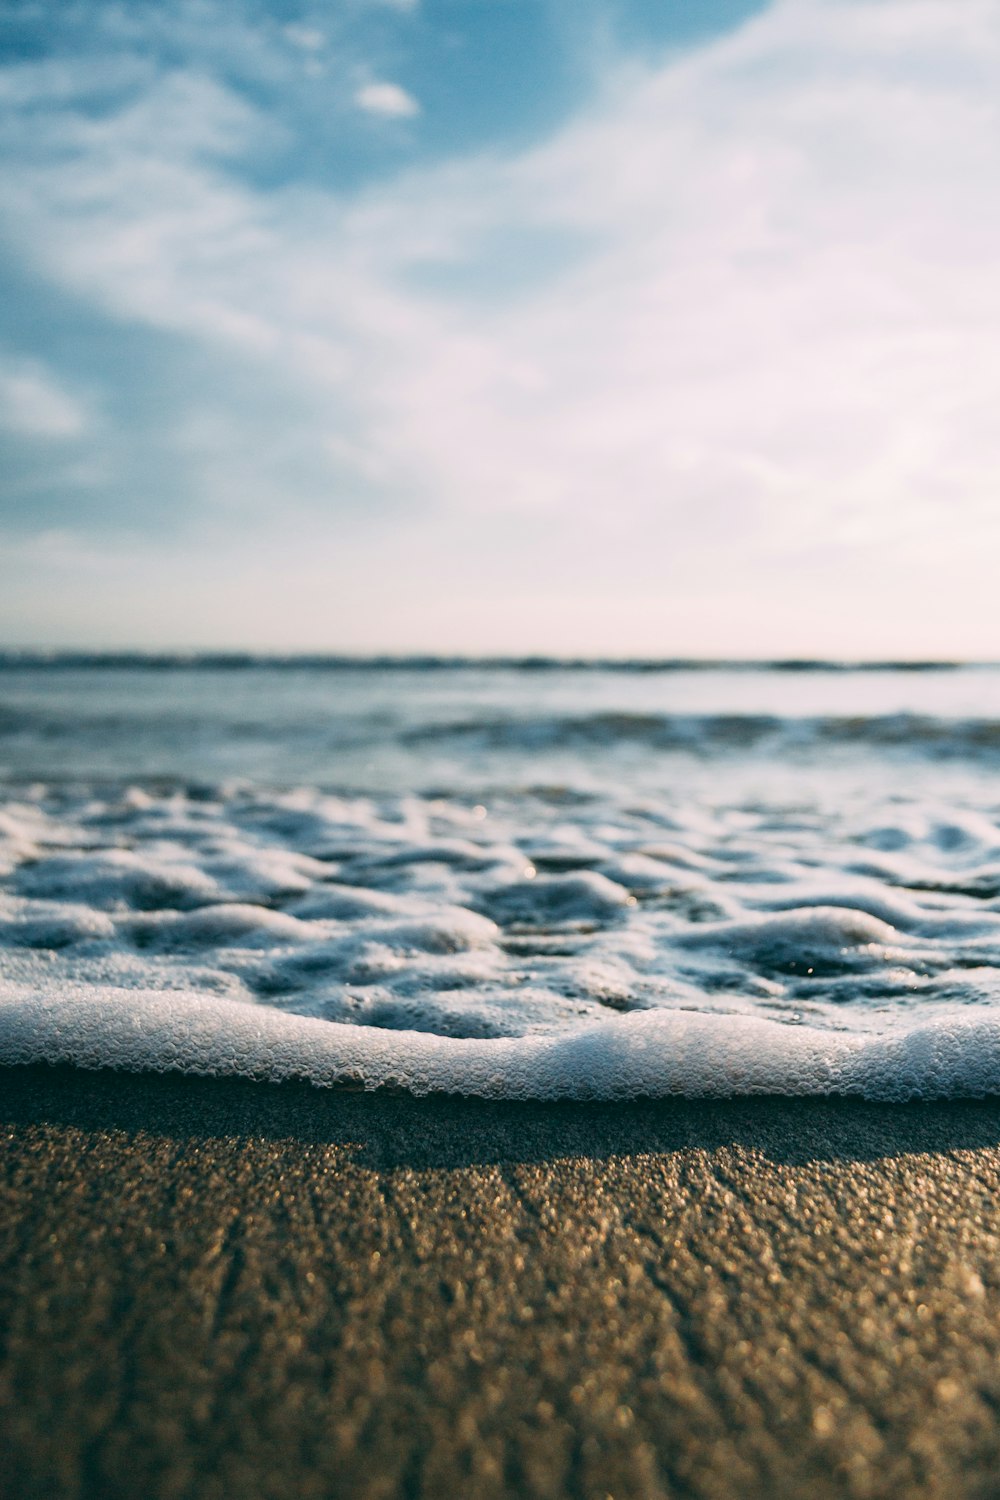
[235, 659]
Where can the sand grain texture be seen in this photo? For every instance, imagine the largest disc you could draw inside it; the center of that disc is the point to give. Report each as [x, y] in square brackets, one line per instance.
[219, 1289]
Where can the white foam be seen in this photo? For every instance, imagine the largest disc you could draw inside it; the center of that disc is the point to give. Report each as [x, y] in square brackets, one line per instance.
[412, 942]
[651, 1055]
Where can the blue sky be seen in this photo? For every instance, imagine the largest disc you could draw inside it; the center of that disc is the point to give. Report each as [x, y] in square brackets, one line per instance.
[501, 325]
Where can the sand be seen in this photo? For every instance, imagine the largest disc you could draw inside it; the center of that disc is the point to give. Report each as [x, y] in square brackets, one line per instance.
[225, 1289]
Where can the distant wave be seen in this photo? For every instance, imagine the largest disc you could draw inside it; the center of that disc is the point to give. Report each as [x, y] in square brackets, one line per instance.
[237, 661]
[700, 734]
[707, 733]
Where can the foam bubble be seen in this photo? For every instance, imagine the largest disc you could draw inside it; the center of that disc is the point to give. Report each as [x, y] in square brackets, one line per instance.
[557, 900]
[221, 926]
[118, 877]
[827, 938]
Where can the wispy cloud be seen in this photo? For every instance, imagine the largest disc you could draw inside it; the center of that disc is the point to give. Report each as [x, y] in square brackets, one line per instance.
[34, 403]
[387, 99]
[309, 38]
[715, 366]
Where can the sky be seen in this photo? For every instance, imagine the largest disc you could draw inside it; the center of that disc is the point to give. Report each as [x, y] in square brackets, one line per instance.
[616, 327]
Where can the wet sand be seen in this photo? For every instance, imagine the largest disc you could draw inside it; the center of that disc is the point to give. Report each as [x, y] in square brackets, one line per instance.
[228, 1289]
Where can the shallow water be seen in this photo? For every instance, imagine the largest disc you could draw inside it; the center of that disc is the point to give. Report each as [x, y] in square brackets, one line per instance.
[506, 879]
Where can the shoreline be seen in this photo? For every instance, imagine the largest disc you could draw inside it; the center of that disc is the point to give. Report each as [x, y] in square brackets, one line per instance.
[218, 1287]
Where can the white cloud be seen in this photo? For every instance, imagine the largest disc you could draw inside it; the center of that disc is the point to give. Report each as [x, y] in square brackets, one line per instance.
[388, 100]
[791, 313]
[750, 404]
[34, 404]
[307, 37]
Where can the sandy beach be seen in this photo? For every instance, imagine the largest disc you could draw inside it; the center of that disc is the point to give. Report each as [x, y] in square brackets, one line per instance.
[215, 1288]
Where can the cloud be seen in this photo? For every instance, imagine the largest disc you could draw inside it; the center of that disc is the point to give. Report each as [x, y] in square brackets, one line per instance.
[787, 322]
[715, 367]
[33, 403]
[388, 100]
[309, 38]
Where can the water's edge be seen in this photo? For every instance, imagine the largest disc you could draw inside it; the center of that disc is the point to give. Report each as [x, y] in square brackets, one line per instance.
[651, 1055]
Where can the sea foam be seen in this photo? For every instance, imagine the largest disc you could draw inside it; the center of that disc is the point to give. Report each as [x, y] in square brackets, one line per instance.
[609, 947]
[508, 879]
[652, 1055]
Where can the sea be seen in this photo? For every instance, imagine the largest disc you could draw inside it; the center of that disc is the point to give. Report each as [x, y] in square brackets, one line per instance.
[519, 879]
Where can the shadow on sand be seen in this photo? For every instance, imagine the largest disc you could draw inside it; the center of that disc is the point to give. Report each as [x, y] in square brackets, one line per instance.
[388, 1130]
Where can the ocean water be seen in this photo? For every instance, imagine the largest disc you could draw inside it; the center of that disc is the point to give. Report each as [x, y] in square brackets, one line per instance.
[511, 879]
